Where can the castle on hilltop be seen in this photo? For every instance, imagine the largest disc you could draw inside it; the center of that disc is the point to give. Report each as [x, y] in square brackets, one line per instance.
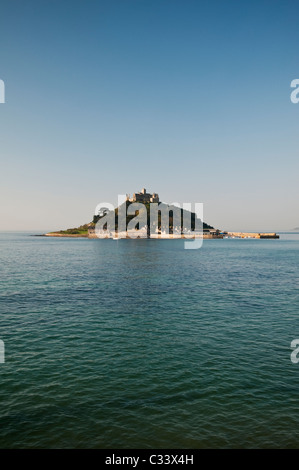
[143, 197]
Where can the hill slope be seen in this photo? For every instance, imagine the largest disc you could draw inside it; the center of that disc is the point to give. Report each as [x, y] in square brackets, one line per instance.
[82, 230]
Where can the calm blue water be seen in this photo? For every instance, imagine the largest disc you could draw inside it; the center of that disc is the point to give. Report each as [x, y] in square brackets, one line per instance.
[139, 343]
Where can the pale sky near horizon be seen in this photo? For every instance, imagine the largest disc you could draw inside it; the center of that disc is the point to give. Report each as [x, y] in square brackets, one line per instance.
[188, 98]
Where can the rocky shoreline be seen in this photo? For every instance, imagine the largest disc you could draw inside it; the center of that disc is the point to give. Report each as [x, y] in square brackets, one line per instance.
[65, 235]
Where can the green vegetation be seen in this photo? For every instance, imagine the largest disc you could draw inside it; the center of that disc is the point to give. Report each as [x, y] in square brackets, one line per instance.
[147, 208]
[82, 230]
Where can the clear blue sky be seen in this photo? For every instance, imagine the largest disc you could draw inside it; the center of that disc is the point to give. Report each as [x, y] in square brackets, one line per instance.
[190, 99]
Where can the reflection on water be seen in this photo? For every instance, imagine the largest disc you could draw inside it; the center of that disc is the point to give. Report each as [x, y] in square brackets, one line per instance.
[140, 343]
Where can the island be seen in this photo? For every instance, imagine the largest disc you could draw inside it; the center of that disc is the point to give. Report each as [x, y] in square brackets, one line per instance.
[171, 227]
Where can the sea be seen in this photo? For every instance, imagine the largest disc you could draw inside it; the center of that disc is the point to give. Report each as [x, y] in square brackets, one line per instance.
[131, 344]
